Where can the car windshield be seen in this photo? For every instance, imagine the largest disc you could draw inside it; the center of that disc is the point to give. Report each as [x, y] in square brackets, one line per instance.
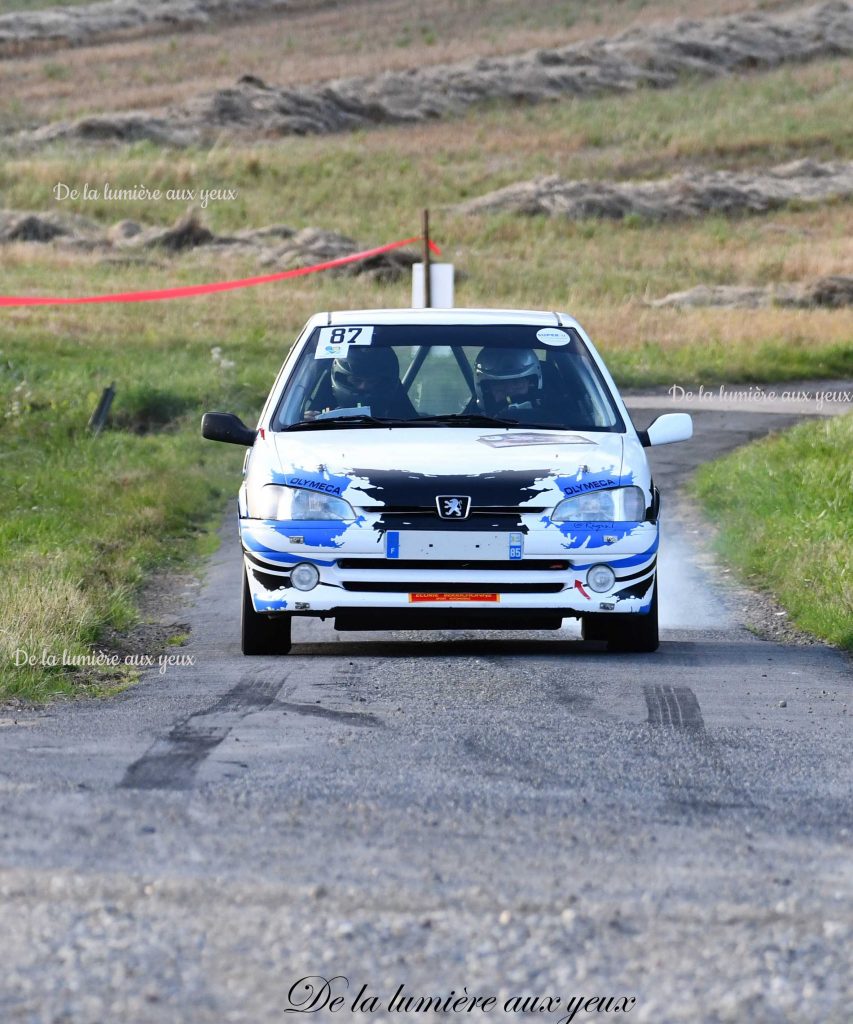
[504, 375]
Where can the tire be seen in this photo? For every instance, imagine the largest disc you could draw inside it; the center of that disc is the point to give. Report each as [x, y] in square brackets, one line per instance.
[263, 634]
[596, 627]
[637, 634]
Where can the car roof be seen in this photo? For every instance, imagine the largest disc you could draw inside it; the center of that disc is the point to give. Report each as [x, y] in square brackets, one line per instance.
[444, 316]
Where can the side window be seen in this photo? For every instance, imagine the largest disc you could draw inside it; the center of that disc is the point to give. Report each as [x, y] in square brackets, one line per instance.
[439, 386]
[582, 403]
[306, 389]
[319, 393]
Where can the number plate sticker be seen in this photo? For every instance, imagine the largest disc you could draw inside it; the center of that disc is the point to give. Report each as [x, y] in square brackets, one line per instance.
[334, 342]
[445, 598]
[466, 545]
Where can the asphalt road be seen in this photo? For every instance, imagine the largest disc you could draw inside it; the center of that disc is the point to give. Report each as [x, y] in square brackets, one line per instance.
[491, 814]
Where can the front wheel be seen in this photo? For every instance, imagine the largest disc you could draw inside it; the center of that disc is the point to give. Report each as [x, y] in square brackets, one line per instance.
[262, 634]
[628, 633]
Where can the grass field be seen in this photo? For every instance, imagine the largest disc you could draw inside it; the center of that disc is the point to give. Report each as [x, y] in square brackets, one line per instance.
[315, 41]
[84, 520]
[785, 505]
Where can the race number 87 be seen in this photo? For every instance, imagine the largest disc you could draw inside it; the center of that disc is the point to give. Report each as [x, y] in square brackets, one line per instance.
[335, 341]
[348, 335]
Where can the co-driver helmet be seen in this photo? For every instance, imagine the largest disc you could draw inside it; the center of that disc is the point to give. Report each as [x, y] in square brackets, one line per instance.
[497, 369]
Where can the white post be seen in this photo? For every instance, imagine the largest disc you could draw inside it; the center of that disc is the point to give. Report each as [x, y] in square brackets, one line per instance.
[441, 285]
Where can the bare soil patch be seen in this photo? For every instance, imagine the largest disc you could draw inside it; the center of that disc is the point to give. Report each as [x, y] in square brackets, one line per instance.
[691, 194]
[656, 57]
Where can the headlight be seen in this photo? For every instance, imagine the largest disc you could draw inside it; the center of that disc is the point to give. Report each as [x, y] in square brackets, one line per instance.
[600, 578]
[272, 501]
[304, 576]
[617, 505]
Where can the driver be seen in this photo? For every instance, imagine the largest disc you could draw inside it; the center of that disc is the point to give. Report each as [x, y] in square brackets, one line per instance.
[369, 378]
[507, 380]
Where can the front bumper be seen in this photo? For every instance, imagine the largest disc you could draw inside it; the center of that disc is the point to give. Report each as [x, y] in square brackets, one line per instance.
[543, 567]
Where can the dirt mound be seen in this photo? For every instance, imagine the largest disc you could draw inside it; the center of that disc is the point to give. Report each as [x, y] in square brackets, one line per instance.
[650, 57]
[22, 31]
[827, 292]
[693, 194]
[17, 226]
[276, 246]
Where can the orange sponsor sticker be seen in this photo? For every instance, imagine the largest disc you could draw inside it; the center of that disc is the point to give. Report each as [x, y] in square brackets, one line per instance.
[418, 598]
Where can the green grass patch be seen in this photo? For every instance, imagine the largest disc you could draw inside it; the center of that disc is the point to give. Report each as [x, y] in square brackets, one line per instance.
[784, 506]
[83, 519]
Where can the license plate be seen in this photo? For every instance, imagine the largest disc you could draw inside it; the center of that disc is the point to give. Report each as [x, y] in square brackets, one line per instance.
[421, 598]
[448, 545]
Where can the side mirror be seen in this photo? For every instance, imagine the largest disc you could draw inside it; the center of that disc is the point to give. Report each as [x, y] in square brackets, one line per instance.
[672, 426]
[225, 426]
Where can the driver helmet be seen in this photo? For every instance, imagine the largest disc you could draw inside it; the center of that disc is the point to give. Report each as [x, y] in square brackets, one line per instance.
[507, 376]
[364, 374]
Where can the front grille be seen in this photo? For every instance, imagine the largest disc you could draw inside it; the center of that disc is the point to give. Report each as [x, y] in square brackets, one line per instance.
[476, 510]
[453, 588]
[524, 564]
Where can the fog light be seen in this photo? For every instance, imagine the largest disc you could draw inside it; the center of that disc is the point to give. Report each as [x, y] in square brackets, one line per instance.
[600, 578]
[304, 576]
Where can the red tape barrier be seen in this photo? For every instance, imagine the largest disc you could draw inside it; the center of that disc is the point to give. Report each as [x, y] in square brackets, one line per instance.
[207, 289]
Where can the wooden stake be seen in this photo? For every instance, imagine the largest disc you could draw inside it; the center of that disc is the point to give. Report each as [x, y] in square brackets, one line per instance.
[427, 274]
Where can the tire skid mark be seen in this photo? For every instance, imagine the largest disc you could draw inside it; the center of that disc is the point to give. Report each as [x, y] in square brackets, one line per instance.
[673, 706]
[172, 761]
[696, 775]
[347, 717]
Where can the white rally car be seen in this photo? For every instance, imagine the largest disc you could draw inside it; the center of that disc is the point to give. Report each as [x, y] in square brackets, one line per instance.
[445, 469]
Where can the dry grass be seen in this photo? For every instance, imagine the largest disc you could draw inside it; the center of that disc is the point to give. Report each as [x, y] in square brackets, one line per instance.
[602, 273]
[321, 42]
[45, 615]
[732, 334]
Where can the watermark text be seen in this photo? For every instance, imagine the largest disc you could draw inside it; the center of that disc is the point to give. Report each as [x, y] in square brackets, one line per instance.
[46, 658]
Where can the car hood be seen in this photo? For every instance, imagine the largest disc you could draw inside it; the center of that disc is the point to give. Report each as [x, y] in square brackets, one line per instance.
[410, 467]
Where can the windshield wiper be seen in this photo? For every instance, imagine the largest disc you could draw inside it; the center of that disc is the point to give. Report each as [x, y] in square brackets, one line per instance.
[468, 419]
[333, 422]
[455, 419]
